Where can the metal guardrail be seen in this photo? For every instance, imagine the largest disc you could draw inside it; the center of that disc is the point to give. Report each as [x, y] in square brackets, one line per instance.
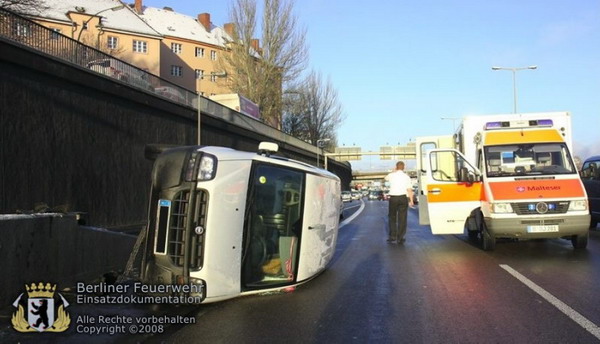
[21, 30]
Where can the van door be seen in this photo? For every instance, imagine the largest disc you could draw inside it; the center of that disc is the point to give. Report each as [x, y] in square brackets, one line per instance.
[273, 226]
[423, 145]
[454, 189]
[319, 226]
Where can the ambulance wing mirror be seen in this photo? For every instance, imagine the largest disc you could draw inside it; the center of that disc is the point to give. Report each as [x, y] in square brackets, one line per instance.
[466, 176]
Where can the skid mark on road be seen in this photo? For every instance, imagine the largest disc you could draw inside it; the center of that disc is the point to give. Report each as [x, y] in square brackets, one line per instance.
[563, 307]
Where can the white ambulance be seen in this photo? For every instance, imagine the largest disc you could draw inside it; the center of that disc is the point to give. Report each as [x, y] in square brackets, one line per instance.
[504, 176]
[238, 223]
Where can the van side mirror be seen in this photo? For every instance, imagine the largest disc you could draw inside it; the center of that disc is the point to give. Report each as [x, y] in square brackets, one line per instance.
[593, 171]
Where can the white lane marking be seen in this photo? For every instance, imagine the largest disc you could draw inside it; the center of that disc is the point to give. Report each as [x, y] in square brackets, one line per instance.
[354, 206]
[563, 307]
[356, 213]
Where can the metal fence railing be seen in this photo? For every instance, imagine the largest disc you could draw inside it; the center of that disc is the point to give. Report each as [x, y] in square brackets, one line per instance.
[19, 29]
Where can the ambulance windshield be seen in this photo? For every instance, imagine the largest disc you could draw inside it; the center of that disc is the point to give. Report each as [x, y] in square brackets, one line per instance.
[528, 160]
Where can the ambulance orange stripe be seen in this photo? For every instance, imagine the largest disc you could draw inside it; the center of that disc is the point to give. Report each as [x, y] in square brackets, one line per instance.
[530, 189]
[522, 136]
[454, 192]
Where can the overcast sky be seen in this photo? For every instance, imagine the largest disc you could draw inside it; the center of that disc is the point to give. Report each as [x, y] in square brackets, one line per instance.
[400, 66]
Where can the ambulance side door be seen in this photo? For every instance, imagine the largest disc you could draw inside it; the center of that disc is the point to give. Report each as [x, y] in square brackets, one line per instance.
[454, 189]
[423, 145]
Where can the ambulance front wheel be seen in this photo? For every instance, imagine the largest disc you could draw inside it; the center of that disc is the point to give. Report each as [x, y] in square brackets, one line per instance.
[580, 241]
[489, 242]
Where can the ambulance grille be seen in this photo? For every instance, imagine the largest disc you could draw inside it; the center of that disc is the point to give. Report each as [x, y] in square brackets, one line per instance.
[531, 208]
[179, 215]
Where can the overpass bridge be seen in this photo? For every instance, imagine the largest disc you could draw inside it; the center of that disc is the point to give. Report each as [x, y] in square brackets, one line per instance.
[369, 177]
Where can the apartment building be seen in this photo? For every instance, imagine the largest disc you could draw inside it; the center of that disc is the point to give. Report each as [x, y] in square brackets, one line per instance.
[108, 25]
[190, 49]
[182, 49]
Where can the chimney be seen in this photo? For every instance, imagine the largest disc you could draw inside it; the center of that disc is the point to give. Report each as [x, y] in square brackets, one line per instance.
[204, 19]
[255, 44]
[229, 27]
[138, 6]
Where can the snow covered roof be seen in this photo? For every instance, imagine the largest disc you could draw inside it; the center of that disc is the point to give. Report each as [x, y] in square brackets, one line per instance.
[124, 19]
[170, 23]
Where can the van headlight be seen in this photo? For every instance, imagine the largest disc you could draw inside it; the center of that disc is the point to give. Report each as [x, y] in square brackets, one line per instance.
[578, 205]
[201, 167]
[501, 208]
[208, 167]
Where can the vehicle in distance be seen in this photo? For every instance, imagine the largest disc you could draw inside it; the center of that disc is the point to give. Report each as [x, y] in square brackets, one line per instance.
[346, 196]
[590, 176]
[170, 93]
[376, 195]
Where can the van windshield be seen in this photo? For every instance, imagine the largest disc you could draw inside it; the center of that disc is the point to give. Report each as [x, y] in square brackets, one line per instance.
[528, 159]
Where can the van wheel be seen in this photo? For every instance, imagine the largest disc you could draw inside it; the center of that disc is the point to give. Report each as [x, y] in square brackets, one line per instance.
[593, 223]
[580, 241]
[489, 242]
[472, 229]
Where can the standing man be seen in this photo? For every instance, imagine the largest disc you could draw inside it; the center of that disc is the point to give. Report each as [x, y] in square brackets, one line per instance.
[401, 196]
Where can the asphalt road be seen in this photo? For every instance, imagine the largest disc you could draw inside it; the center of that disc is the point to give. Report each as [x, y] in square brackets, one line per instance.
[431, 289]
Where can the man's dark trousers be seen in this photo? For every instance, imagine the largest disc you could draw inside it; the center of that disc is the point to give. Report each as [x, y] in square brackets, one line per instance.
[398, 208]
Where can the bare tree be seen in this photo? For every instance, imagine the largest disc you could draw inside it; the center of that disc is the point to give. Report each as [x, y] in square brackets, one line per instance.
[313, 112]
[260, 72]
[23, 6]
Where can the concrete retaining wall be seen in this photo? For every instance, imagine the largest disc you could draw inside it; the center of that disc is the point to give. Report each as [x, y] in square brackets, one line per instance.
[54, 248]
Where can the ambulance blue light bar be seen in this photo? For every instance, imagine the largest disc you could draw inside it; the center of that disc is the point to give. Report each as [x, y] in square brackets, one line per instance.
[519, 124]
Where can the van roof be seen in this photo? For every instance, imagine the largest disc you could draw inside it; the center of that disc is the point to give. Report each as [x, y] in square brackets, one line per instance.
[229, 154]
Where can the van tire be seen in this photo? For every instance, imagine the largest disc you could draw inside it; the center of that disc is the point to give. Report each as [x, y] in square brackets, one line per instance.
[488, 241]
[593, 223]
[472, 229]
[580, 241]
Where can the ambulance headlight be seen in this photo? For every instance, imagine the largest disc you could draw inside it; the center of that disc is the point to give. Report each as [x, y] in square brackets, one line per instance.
[501, 208]
[578, 205]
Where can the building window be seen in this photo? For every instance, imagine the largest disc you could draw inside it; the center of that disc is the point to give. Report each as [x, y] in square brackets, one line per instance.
[199, 73]
[213, 78]
[213, 55]
[199, 52]
[55, 33]
[140, 46]
[112, 42]
[176, 70]
[21, 29]
[176, 48]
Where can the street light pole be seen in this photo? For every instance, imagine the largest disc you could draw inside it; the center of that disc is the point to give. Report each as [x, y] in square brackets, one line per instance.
[218, 75]
[116, 8]
[453, 119]
[514, 73]
[319, 147]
